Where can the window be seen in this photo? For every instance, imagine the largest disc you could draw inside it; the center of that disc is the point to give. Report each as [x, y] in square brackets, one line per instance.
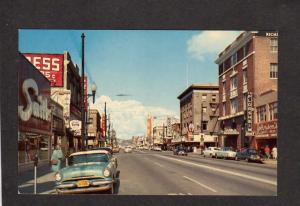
[234, 105]
[204, 109]
[214, 98]
[204, 96]
[273, 111]
[273, 71]
[274, 44]
[233, 82]
[245, 76]
[233, 59]
[204, 125]
[261, 114]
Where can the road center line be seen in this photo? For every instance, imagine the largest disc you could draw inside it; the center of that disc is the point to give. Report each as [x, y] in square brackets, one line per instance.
[223, 171]
[199, 183]
[158, 164]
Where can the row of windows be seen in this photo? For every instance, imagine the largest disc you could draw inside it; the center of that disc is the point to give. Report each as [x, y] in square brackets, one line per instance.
[267, 112]
[234, 79]
[243, 52]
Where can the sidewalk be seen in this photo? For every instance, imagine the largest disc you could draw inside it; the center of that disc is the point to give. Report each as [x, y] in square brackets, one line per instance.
[271, 162]
[45, 181]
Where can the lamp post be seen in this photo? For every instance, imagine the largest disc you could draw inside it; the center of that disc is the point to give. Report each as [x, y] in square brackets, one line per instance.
[83, 137]
[93, 89]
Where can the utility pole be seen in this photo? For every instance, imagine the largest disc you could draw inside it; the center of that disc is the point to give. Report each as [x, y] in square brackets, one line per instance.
[82, 97]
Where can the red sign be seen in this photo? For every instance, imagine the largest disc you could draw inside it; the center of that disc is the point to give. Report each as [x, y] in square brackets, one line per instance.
[85, 94]
[50, 65]
[34, 110]
[266, 128]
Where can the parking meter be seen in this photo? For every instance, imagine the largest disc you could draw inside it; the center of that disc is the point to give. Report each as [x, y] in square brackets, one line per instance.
[35, 160]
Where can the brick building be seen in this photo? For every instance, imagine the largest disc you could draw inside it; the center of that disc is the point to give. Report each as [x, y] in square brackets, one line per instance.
[199, 113]
[247, 69]
[93, 127]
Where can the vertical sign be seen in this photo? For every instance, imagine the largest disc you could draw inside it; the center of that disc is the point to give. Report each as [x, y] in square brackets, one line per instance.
[85, 94]
[66, 104]
[50, 65]
[169, 127]
[249, 111]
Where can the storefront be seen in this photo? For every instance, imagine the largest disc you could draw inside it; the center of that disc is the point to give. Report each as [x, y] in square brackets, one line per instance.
[58, 127]
[266, 134]
[34, 114]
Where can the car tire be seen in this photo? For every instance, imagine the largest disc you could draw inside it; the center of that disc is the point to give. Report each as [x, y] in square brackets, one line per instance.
[236, 159]
[247, 159]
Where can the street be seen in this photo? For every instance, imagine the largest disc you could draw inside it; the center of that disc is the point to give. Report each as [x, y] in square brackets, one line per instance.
[162, 173]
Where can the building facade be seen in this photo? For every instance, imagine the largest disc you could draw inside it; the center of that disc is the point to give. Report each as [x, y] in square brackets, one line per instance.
[149, 131]
[199, 114]
[93, 128]
[248, 67]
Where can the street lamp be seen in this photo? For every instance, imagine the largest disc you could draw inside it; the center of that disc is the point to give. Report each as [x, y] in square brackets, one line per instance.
[93, 89]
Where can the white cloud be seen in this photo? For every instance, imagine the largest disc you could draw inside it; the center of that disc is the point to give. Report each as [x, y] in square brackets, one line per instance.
[129, 116]
[210, 43]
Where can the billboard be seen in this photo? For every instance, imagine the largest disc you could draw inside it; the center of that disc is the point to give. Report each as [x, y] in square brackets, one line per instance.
[34, 109]
[50, 65]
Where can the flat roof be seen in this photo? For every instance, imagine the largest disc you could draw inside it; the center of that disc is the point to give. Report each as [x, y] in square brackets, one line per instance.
[200, 86]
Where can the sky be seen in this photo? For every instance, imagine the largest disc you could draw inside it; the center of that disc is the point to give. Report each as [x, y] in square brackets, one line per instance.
[152, 66]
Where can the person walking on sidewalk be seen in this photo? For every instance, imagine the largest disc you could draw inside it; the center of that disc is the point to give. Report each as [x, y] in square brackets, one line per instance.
[267, 151]
[56, 159]
[274, 152]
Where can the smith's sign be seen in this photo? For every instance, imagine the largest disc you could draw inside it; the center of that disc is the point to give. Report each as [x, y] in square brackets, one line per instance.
[37, 108]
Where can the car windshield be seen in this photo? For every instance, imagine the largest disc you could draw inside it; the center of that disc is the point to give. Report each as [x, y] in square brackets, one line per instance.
[84, 158]
[227, 149]
[252, 151]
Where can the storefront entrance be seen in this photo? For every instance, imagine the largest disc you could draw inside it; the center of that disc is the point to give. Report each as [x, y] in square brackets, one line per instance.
[231, 141]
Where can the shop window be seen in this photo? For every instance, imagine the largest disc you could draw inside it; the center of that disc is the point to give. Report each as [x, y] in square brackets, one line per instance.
[204, 125]
[274, 44]
[273, 71]
[273, 111]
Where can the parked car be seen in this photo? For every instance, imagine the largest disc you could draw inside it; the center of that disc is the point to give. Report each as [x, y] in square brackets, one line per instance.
[210, 152]
[226, 153]
[180, 151]
[116, 149]
[157, 149]
[128, 149]
[87, 171]
[249, 155]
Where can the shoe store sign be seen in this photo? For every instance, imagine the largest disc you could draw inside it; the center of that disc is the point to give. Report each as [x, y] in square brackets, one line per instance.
[34, 110]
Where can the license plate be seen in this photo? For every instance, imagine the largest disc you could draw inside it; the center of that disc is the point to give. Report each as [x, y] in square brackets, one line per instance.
[83, 183]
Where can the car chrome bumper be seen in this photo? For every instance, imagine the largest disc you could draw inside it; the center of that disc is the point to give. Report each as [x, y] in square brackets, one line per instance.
[94, 187]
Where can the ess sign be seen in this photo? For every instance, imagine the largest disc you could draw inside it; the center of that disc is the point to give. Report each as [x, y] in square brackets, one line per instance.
[50, 65]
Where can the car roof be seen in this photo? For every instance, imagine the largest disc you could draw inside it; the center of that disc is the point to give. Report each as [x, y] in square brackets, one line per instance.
[90, 152]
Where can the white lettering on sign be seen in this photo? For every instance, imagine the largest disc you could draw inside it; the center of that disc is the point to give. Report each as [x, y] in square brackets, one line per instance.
[272, 34]
[249, 111]
[39, 108]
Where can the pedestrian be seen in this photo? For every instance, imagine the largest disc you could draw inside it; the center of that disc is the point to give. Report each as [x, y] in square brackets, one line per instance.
[56, 159]
[267, 151]
[274, 152]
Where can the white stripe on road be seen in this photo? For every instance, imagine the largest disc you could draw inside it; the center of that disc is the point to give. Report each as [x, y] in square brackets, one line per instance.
[199, 183]
[158, 164]
[223, 171]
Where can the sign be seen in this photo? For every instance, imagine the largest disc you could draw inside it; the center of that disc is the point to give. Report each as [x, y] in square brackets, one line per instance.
[50, 65]
[249, 111]
[267, 128]
[75, 125]
[66, 100]
[268, 33]
[85, 93]
[231, 132]
[169, 127]
[34, 110]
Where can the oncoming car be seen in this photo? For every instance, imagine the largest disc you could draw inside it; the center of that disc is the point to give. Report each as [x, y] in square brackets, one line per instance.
[87, 171]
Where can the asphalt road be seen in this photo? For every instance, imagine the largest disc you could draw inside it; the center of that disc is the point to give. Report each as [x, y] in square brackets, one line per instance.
[162, 173]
